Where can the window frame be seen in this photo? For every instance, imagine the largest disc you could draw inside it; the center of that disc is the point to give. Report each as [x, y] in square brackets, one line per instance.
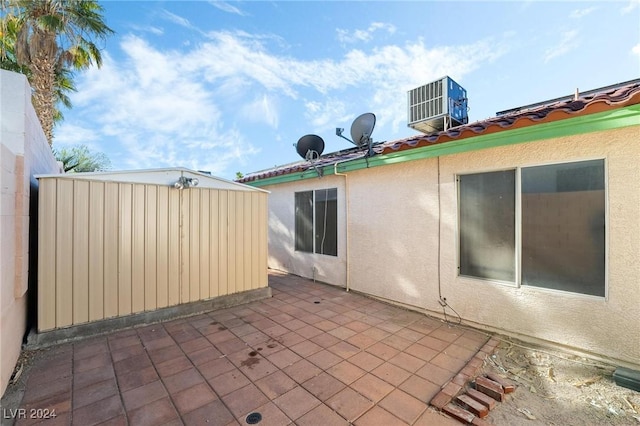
[458, 227]
[299, 222]
[314, 222]
[518, 228]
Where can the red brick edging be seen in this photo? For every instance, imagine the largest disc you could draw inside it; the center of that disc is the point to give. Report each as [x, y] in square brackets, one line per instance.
[443, 399]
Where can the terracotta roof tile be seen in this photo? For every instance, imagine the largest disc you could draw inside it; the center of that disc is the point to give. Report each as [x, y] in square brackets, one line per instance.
[605, 100]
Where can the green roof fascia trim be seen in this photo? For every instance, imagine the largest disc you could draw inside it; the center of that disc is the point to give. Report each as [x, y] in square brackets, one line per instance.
[608, 120]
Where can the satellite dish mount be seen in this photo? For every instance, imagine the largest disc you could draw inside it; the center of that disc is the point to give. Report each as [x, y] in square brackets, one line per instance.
[361, 130]
[310, 148]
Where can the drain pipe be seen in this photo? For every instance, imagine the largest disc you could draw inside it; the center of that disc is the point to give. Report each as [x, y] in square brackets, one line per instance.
[346, 218]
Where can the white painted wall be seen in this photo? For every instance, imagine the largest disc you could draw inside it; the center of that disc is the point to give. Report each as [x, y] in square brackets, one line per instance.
[282, 254]
[24, 151]
[396, 243]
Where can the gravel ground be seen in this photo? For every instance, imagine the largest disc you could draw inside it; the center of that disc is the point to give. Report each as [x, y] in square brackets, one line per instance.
[556, 388]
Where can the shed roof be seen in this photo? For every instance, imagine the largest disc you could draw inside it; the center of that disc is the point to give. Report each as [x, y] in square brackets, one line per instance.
[594, 101]
[161, 176]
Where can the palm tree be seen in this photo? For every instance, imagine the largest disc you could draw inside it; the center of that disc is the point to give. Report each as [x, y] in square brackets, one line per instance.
[53, 38]
[79, 158]
[64, 77]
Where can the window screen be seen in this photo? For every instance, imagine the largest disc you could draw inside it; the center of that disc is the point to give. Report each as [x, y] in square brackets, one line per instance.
[316, 221]
[326, 205]
[304, 221]
[487, 225]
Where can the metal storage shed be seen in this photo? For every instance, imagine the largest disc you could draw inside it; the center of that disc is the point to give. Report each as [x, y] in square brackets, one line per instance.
[113, 244]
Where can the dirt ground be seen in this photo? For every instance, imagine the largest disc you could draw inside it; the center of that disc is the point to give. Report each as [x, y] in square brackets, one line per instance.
[556, 388]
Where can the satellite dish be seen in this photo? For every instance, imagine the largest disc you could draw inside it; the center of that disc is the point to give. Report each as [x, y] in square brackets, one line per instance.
[310, 147]
[362, 128]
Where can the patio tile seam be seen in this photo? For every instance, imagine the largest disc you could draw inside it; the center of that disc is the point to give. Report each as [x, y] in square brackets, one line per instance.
[169, 395]
[406, 332]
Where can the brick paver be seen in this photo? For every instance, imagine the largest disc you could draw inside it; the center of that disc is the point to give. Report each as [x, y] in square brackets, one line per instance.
[311, 354]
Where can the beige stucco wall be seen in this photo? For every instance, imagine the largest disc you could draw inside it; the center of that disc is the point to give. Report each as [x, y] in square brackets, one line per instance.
[608, 327]
[23, 152]
[110, 249]
[282, 253]
[396, 242]
[394, 232]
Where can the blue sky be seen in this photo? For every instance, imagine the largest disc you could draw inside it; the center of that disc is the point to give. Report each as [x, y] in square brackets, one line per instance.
[231, 86]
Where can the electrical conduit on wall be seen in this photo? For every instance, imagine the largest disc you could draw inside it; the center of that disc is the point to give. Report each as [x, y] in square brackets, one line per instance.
[346, 220]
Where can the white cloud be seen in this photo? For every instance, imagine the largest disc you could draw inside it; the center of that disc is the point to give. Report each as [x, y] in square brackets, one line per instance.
[158, 114]
[579, 13]
[149, 29]
[633, 4]
[67, 134]
[568, 42]
[326, 114]
[190, 107]
[636, 50]
[226, 7]
[386, 72]
[179, 20]
[346, 36]
[262, 110]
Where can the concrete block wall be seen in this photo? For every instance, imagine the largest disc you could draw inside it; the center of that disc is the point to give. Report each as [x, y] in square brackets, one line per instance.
[24, 152]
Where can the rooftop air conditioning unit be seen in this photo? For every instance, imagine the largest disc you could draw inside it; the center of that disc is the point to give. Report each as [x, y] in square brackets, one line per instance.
[437, 106]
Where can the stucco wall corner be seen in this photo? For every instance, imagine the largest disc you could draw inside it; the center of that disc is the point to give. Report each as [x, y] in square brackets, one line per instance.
[24, 152]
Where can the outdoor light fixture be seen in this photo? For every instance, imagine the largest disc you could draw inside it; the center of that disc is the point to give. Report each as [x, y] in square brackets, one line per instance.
[185, 182]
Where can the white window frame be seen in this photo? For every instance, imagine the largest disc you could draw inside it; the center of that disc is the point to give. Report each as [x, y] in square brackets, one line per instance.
[518, 229]
[314, 222]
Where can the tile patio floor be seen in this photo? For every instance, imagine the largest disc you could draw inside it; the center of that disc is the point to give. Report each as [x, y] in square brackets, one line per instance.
[312, 354]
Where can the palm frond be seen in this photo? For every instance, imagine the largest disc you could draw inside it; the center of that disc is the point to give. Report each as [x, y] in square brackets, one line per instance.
[48, 39]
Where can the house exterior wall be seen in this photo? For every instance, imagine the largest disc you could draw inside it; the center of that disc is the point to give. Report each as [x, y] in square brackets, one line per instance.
[110, 249]
[403, 244]
[394, 231]
[609, 327]
[282, 253]
[24, 151]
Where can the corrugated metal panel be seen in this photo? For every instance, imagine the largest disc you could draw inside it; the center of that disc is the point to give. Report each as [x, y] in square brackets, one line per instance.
[223, 237]
[204, 232]
[110, 249]
[247, 228]
[173, 243]
[96, 251]
[125, 250]
[80, 250]
[193, 234]
[63, 252]
[47, 261]
[239, 242]
[162, 248]
[151, 244]
[137, 248]
[183, 256]
[214, 243]
[231, 243]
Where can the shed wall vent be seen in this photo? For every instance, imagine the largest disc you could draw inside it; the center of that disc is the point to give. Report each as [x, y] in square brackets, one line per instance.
[437, 106]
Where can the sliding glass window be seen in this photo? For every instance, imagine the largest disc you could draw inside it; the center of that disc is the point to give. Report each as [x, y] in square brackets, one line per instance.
[304, 221]
[487, 225]
[561, 229]
[316, 221]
